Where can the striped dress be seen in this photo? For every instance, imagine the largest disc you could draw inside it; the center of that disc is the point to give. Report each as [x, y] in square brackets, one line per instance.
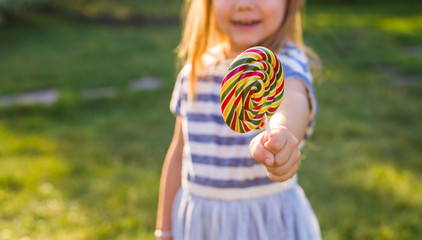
[225, 193]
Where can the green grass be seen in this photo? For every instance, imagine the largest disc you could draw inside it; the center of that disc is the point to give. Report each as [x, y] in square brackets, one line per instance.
[362, 171]
[122, 10]
[83, 170]
[90, 169]
[87, 171]
[51, 51]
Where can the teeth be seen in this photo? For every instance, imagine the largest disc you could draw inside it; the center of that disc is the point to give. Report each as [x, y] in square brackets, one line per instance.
[245, 22]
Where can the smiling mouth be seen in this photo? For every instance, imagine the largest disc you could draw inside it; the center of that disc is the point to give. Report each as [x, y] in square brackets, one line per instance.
[246, 23]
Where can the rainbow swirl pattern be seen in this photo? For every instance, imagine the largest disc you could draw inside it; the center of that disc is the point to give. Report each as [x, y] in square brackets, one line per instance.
[253, 86]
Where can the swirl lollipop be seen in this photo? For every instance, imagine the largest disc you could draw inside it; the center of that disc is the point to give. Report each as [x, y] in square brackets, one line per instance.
[252, 89]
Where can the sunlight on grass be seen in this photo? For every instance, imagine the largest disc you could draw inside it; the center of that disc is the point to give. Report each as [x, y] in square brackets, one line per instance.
[36, 208]
[401, 185]
[408, 24]
[27, 144]
[401, 25]
[399, 194]
[341, 19]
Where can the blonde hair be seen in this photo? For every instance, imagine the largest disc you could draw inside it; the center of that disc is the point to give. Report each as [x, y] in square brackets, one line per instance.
[200, 33]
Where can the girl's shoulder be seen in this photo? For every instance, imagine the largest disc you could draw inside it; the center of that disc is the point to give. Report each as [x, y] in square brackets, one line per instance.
[295, 63]
[184, 72]
[213, 55]
[290, 50]
[214, 62]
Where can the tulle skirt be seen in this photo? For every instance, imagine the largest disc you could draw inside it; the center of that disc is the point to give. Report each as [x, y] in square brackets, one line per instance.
[285, 215]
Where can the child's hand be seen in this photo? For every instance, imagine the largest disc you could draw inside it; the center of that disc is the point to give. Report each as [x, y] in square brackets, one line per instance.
[279, 153]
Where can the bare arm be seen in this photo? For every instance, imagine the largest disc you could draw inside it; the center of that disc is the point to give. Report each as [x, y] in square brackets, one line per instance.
[280, 152]
[293, 112]
[170, 178]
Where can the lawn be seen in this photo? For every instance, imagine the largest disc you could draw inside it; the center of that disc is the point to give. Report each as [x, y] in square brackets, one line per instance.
[89, 169]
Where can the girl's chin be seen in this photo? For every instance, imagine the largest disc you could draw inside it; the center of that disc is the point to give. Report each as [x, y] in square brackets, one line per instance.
[240, 47]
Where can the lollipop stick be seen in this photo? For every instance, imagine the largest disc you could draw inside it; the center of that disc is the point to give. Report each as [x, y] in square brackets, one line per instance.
[267, 126]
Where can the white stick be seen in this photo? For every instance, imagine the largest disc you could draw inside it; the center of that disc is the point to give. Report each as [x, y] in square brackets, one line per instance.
[267, 126]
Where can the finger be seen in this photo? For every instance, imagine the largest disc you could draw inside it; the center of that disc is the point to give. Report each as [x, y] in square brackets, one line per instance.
[284, 177]
[285, 168]
[258, 152]
[277, 140]
[284, 154]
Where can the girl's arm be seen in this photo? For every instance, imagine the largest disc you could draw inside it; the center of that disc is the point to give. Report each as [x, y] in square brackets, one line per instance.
[293, 112]
[280, 152]
[170, 179]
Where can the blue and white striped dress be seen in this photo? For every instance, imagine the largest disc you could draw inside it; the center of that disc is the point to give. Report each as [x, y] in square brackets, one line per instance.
[225, 193]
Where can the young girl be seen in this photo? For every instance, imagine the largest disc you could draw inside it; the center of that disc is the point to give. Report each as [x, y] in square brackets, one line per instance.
[217, 184]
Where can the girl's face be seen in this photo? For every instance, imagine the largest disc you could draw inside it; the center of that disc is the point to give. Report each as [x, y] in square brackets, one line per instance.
[248, 22]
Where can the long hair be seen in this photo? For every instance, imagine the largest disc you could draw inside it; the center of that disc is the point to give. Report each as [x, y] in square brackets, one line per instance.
[200, 33]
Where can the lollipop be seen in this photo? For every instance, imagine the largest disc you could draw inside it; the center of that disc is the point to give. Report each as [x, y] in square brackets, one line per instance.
[252, 89]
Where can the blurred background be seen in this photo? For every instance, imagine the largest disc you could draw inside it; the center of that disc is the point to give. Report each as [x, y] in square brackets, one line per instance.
[84, 121]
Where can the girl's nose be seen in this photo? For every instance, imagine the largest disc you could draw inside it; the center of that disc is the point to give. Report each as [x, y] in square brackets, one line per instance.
[244, 4]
